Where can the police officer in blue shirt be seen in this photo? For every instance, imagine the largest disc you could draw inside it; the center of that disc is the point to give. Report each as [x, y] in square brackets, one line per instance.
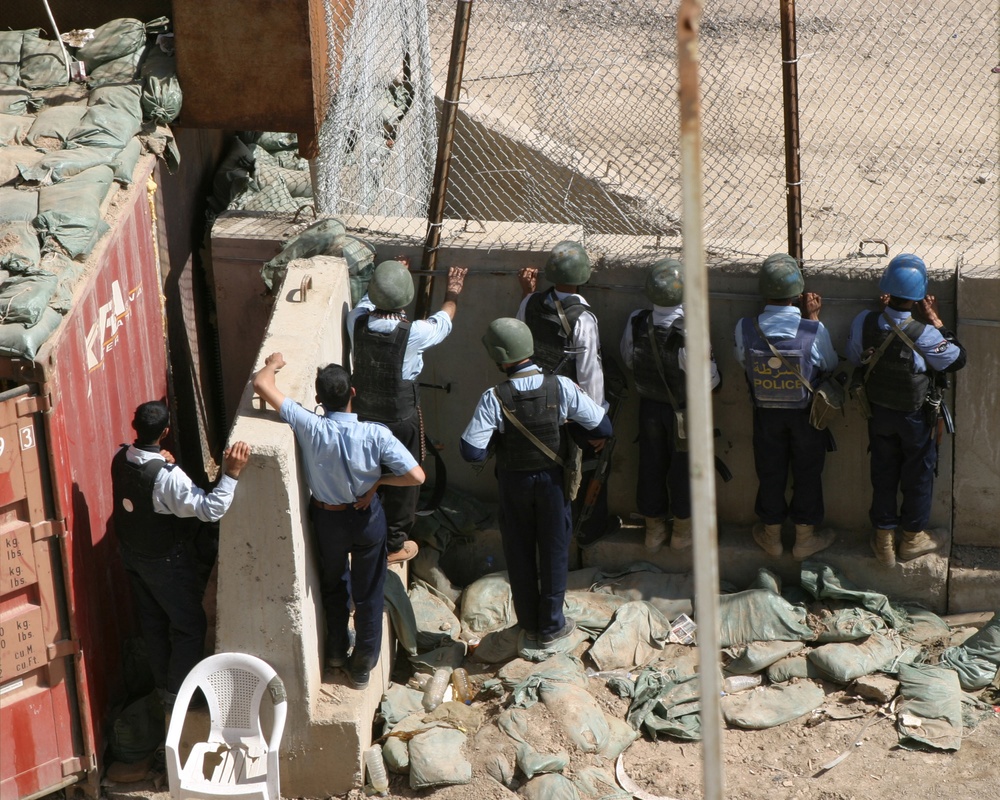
[388, 357]
[523, 418]
[903, 352]
[344, 460]
[778, 349]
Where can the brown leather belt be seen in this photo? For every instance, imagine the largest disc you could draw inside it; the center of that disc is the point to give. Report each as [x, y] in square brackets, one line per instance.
[330, 507]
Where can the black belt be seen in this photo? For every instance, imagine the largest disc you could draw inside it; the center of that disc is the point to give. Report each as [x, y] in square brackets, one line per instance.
[330, 506]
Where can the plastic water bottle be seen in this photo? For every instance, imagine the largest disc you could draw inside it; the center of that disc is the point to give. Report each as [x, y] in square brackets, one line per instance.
[436, 686]
[460, 683]
[419, 681]
[375, 768]
[740, 683]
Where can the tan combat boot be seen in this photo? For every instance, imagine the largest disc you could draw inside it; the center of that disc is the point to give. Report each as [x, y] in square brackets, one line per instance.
[680, 538]
[769, 538]
[656, 533]
[884, 547]
[807, 541]
[915, 544]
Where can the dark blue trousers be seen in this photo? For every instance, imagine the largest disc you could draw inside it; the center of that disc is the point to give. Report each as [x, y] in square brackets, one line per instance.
[663, 472]
[168, 593]
[903, 456]
[536, 528]
[352, 564]
[784, 440]
[399, 503]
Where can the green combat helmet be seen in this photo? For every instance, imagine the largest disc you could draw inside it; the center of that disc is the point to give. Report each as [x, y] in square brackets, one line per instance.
[665, 283]
[780, 278]
[508, 340]
[391, 287]
[568, 264]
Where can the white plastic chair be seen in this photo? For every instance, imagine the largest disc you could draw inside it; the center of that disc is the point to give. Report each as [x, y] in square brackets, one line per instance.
[234, 685]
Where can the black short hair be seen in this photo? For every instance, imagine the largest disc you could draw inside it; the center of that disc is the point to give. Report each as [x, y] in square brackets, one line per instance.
[333, 387]
[150, 420]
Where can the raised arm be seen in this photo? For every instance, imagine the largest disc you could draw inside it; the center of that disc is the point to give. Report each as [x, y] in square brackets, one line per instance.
[456, 280]
[264, 383]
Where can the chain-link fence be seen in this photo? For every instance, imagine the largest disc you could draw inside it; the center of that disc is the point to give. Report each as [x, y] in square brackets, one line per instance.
[569, 114]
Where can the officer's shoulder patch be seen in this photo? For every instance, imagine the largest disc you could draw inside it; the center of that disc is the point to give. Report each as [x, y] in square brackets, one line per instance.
[941, 347]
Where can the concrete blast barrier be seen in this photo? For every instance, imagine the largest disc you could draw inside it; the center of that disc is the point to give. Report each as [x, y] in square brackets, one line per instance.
[269, 601]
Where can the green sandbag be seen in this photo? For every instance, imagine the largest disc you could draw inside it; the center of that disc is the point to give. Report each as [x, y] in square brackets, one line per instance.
[25, 298]
[432, 615]
[112, 40]
[487, 605]
[758, 656]
[290, 159]
[17, 340]
[437, 758]
[399, 702]
[844, 662]
[137, 730]
[273, 142]
[42, 62]
[54, 122]
[598, 784]
[550, 787]
[760, 615]
[848, 625]
[104, 126]
[634, 638]
[124, 97]
[119, 71]
[124, 163]
[69, 213]
[533, 763]
[577, 711]
[400, 610]
[161, 90]
[360, 256]
[795, 666]
[15, 100]
[68, 274]
[396, 750]
[58, 165]
[666, 707]
[10, 57]
[13, 128]
[21, 251]
[773, 706]
[325, 237]
[232, 177]
[977, 659]
[272, 198]
[18, 204]
[669, 593]
[825, 583]
[932, 695]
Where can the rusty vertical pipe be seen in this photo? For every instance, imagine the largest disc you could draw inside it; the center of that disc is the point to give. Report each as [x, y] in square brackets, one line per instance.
[699, 403]
[446, 138]
[790, 94]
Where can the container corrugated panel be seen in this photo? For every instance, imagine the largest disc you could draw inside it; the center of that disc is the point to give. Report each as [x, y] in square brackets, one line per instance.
[108, 356]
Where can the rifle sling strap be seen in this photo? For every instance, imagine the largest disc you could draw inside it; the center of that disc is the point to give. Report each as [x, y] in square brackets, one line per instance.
[513, 420]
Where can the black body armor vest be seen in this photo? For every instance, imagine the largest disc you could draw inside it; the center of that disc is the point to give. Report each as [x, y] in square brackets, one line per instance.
[551, 340]
[139, 528]
[894, 382]
[538, 410]
[382, 394]
[668, 343]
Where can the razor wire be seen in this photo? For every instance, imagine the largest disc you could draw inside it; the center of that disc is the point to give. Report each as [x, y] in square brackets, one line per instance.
[569, 116]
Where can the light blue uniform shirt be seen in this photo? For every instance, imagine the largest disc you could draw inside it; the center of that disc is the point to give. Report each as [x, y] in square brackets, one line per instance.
[663, 317]
[343, 457]
[934, 348]
[174, 493]
[782, 322]
[424, 333]
[574, 404]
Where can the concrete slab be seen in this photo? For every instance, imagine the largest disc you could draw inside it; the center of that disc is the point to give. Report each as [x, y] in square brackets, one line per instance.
[974, 576]
[923, 580]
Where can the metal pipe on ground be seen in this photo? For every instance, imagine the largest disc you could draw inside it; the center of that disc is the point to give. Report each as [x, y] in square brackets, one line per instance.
[699, 405]
[446, 138]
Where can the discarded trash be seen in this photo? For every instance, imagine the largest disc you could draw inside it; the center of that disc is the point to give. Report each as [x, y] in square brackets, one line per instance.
[683, 630]
[376, 769]
[740, 683]
[436, 686]
[609, 673]
[461, 686]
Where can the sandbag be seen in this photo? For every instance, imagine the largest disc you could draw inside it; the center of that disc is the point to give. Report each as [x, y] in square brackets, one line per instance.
[487, 605]
[42, 62]
[399, 702]
[10, 57]
[17, 340]
[20, 250]
[758, 656]
[759, 615]
[120, 70]
[497, 647]
[795, 666]
[67, 274]
[232, 177]
[104, 126]
[160, 142]
[15, 100]
[634, 638]
[273, 142]
[59, 165]
[69, 213]
[533, 650]
[437, 758]
[550, 787]
[125, 97]
[925, 626]
[125, 162]
[325, 237]
[663, 706]
[396, 749]
[670, 593]
[977, 659]
[593, 611]
[24, 298]
[843, 662]
[848, 625]
[137, 730]
[825, 583]
[400, 611]
[525, 689]
[13, 128]
[772, 706]
[18, 204]
[595, 783]
[112, 40]
[432, 616]
[931, 709]
[577, 711]
[161, 90]
[274, 197]
[290, 159]
[52, 126]
[12, 159]
[533, 763]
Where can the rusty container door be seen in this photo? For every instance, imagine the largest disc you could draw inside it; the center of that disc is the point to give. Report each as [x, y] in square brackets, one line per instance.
[40, 742]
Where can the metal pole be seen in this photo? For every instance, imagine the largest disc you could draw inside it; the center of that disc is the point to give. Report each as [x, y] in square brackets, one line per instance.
[699, 403]
[446, 138]
[790, 93]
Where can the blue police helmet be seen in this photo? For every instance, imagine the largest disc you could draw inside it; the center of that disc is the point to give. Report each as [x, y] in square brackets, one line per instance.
[905, 277]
